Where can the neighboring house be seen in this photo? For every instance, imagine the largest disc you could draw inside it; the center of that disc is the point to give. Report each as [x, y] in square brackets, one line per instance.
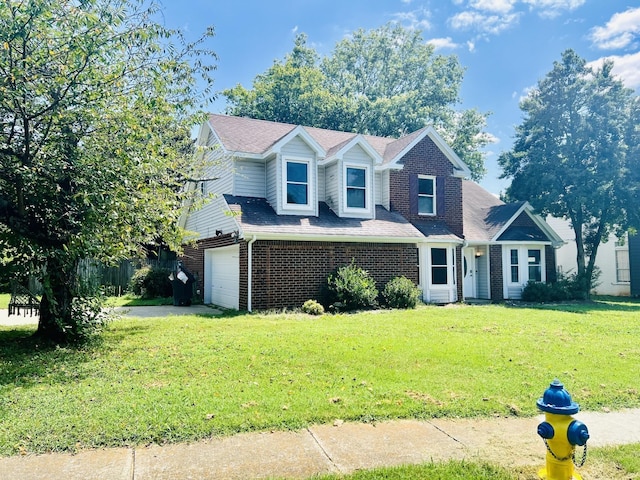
[617, 260]
[295, 203]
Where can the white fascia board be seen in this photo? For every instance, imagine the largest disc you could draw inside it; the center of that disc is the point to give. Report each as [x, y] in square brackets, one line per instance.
[304, 135]
[526, 207]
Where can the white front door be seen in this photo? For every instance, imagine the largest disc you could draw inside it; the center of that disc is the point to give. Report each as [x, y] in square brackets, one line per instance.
[469, 272]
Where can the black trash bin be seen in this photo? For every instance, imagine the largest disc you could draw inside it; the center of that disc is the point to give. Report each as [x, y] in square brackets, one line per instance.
[182, 283]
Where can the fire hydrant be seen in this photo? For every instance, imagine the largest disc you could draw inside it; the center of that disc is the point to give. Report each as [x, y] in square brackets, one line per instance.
[561, 433]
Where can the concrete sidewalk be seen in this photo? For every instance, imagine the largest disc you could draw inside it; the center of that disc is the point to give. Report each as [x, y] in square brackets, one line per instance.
[322, 449]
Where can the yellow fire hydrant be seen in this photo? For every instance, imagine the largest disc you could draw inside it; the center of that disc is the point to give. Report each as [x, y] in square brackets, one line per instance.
[561, 433]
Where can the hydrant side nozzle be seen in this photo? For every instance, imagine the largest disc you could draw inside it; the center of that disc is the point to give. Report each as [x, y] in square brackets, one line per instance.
[577, 433]
[545, 430]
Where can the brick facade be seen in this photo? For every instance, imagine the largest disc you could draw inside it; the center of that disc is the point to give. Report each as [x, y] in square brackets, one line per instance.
[495, 273]
[287, 273]
[427, 159]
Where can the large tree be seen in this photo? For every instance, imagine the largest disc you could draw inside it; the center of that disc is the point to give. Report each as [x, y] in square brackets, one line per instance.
[385, 82]
[575, 154]
[96, 102]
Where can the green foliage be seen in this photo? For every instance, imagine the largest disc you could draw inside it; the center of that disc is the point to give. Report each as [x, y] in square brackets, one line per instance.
[151, 282]
[312, 307]
[576, 154]
[352, 288]
[400, 292]
[386, 82]
[566, 287]
[97, 101]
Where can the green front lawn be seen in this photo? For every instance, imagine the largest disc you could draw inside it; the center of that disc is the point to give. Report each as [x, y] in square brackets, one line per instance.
[184, 378]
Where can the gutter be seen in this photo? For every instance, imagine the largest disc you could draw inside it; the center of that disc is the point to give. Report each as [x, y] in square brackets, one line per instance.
[249, 270]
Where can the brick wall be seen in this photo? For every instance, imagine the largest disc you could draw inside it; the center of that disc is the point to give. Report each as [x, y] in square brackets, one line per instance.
[495, 273]
[426, 158]
[286, 274]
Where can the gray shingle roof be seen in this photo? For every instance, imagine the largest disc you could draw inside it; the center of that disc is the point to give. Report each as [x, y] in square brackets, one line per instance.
[256, 216]
[247, 135]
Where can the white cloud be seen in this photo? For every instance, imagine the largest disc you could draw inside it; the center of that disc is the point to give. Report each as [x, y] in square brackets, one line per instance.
[625, 67]
[484, 23]
[294, 30]
[496, 6]
[553, 8]
[416, 19]
[619, 32]
[471, 46]
[441, 43]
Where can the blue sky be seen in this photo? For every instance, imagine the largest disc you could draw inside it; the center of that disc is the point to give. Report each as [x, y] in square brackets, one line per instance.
[506, 46]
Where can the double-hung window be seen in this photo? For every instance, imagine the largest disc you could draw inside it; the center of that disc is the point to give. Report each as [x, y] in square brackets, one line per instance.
[535, 265]
[623, 272]
[426, 195]
[439, 267]
[297, 183]
[356, 185]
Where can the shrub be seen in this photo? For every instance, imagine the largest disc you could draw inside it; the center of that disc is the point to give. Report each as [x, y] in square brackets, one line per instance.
[151, 282]
[567, 287]
[352, 288]
[400, 292]
[312, 307]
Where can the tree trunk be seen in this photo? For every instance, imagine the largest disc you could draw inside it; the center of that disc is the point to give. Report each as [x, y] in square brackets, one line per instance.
[59, 283]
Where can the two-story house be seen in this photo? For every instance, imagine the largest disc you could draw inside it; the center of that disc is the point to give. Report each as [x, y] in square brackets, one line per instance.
[294, 203]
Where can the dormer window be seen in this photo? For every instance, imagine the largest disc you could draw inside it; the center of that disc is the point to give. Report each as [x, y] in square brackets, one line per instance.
[426, 195]
[357, 193]
[297, 185]
[356, 187]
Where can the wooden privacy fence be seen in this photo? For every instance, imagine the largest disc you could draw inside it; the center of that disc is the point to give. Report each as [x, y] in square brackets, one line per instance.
[115, 279]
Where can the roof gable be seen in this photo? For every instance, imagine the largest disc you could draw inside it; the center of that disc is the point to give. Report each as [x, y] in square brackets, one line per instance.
[399, 148]
[486, 218]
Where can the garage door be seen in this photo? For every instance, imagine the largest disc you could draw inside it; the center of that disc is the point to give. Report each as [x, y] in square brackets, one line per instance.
[222, 276]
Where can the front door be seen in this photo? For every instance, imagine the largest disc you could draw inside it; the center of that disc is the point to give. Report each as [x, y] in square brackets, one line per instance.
[469, 273]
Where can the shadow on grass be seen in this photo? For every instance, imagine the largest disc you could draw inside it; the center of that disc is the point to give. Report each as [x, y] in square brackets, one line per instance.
[27, 360]
[600, 303]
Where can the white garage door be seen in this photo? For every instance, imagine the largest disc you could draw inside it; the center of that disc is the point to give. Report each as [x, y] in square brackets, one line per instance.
[222, 276]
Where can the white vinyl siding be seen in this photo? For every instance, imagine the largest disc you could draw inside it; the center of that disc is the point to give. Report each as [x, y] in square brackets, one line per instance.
[384, 190]
[250, 179]
[321, 184]
[332, 179]
[210, 218]
[272, 183]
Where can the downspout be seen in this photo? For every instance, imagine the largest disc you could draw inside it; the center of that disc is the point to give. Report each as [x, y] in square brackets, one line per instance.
[249, 270]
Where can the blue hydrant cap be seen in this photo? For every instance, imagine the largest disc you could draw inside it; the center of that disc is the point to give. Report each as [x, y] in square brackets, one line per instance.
[557, 400]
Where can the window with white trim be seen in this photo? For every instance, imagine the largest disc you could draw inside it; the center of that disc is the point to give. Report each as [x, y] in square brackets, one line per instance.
[356, 187]
[439, 267]
[515, 267]
[426, 195]
[623, 272]
[534, 257]
[297, 184]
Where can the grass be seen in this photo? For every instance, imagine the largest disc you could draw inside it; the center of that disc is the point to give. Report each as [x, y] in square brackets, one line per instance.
[130, 300]
[185, 378]
[610, 463]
